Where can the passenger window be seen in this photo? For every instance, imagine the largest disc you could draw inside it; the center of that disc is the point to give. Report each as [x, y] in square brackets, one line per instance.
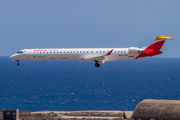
[80, 51]
[70, 51]
[100, 52]
[91, 51]
[114, 51]
[57, 52]
[54, 52]
[87, 51]
[64, 52]
[77, 51]
[46, 52]
[73, 51]
[96, 51]
[83, 51]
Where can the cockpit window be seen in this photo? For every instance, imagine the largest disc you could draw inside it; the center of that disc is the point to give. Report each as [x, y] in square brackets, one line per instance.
[20, 52]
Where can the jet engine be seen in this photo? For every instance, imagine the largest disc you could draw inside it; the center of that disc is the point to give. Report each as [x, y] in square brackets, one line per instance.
[135, 50]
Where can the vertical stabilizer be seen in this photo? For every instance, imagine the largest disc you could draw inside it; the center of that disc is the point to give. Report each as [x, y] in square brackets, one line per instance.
[154, 48]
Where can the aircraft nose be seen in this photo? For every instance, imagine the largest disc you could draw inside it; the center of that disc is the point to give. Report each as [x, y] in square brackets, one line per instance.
[12, 57]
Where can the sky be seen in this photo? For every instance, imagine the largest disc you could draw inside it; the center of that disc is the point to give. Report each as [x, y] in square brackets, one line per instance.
[88, 24]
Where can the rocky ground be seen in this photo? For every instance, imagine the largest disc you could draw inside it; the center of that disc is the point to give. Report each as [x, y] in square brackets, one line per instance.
[74, 115]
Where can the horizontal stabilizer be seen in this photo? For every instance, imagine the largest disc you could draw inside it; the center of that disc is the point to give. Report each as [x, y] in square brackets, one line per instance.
[162, 37]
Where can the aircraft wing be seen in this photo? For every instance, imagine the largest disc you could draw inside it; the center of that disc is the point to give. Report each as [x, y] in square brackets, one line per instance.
[98, 58]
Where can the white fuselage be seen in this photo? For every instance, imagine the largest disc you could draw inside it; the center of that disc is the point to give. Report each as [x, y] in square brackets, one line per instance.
[92, 54]
[74, 54]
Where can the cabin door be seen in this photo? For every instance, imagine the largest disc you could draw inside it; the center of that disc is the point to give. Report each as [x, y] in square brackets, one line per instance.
[28, 54]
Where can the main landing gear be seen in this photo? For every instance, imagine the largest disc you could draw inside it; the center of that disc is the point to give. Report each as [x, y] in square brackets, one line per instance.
[18, 63]
[97, 64]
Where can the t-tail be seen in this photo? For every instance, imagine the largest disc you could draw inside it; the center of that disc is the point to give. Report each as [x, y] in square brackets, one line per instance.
[155, 47]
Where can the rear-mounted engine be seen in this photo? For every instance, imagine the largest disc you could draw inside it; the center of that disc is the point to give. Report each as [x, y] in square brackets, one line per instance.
[135, 50]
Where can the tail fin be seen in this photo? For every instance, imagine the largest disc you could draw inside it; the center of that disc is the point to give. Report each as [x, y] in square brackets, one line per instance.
[154, 48]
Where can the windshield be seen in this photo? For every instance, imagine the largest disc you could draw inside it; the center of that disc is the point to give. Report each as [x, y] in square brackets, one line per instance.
[20, 52]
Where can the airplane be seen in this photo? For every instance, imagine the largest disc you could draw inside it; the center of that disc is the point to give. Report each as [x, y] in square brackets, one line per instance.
[97, 55]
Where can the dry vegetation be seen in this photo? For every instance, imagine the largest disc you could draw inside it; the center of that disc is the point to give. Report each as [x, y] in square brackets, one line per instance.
[25, 115]
[92, 119]
[95, 113]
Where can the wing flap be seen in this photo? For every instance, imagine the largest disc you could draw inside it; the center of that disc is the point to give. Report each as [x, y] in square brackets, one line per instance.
[98, 58]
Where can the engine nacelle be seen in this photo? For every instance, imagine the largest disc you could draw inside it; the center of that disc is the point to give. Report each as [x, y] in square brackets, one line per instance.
[135, 50]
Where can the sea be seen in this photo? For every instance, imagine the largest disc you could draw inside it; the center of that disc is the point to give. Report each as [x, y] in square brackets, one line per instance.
[74, 85]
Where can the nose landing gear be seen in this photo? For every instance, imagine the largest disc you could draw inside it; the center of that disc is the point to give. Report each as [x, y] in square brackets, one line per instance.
[97, 64]
[18, 63]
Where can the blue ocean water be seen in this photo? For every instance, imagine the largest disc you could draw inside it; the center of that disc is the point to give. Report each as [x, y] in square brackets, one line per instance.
[74, 85]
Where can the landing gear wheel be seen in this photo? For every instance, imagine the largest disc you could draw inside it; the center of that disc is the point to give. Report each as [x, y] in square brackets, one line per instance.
[18, 62]
[97, 64]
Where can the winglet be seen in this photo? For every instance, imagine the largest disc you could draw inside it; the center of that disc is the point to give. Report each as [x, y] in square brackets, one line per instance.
[109, 53]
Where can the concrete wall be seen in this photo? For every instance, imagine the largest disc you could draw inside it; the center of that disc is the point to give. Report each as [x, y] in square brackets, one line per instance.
[157, 110]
